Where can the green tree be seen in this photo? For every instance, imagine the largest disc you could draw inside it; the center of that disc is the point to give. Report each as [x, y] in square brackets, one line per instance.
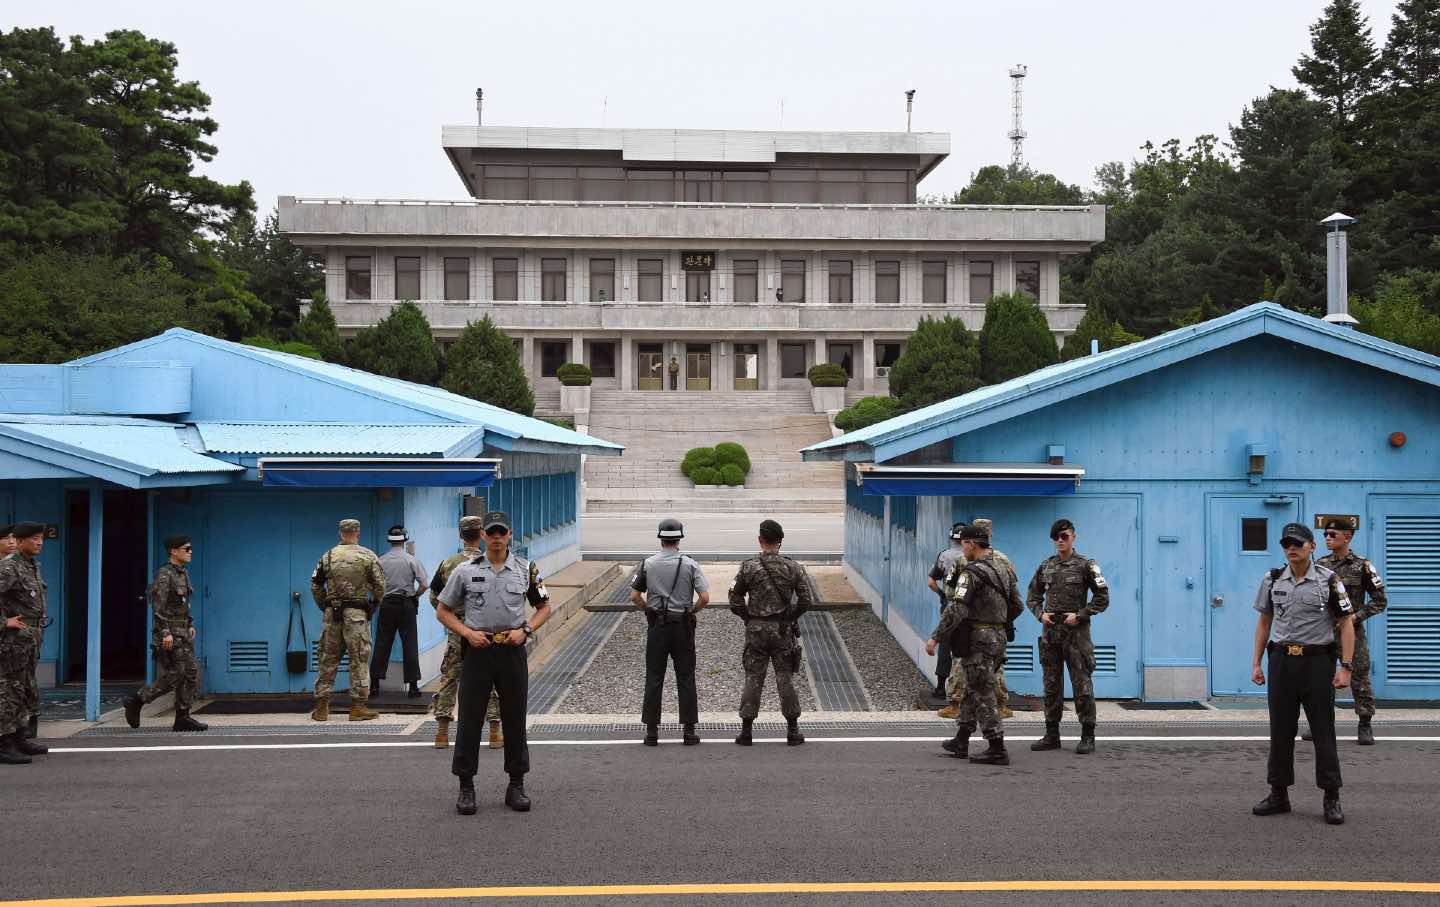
[1016, 339]
[277, 272]
[318, 330]
[400, 345]
[1095, 326]
[997, 185]
[1343, 66]
[293, 347]
[1402, 313]
[941, 360]
[484, 365]
[865, 412]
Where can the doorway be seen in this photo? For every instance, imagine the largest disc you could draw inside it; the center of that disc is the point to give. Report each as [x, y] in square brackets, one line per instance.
[1244, 542]
[697, 366]
[124, 574]
[747, 366]
[650, 367]
[843, 355]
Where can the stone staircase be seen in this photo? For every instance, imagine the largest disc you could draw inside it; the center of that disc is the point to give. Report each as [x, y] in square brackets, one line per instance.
[658, 427]
[547, 404]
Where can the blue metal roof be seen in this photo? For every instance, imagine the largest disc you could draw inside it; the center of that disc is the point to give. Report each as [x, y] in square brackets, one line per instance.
[441, 440]
[129, 452]
[997, 402]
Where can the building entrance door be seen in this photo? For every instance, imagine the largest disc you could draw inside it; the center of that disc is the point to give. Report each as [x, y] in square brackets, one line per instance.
[650, 367]
[843, 355]
[697, 366]
[747, 366]
[1244, 542]
[123, 642]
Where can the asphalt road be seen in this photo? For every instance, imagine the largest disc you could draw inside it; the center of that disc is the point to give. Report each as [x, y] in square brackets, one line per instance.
[712, 533]
[127, 821]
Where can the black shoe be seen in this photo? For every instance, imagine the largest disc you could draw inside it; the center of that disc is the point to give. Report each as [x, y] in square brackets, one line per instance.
[414, 691]
[1333, 813]
[1366, 736]
[374, 688]
[652, 735]
[793, 737]
[132, 710]
[9, 755]
[465, 803]
[743, 738]
[958, 746]
[32, 729]
[1086, 746]
[183, 722]
[995, 755]
[1278, 802]
[1051, 740]
[515, 798]
[689, 737]
[28, 747]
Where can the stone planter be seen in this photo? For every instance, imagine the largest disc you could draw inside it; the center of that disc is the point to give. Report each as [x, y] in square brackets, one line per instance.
[574, 399]
[827, 399]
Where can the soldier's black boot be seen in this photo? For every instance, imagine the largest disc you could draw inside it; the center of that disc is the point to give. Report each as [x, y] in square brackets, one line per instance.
[465, 803]
[183, 722]
[1333, 814]
[959, 745]
[32, 729]
[995, 755]
[515, 795]
[1278, 802]
[132, 710]
[689, 737]
[1366, 736]
[743, 738]
[29, 747]
[793, 737]
[1086, 746]
[9, 754]
[1051, 740]
[374, 688]
[652, 735]
[414, 691]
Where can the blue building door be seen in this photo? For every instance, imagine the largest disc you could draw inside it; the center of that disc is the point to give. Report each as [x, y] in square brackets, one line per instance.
[1403, 537]
[1244, 534]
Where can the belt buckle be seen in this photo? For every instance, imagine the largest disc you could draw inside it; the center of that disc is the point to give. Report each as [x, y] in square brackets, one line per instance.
[1294, 650]
[500, 637]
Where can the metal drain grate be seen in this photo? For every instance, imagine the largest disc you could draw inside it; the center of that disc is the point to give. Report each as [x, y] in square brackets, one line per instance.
[549, 684]
[827, 665]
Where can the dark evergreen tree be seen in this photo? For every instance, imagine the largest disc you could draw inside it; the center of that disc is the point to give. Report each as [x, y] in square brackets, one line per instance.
[997, 185]
[279, 273]
[318, 330]
[401, 345]
[1016, 339]
[941, 360]
[1095, 326]
[1343, 66]
[484, 364]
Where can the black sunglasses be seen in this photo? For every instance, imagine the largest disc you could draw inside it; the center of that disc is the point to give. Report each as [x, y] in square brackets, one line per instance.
[497, 531]
[1291, 543]
[186, 548]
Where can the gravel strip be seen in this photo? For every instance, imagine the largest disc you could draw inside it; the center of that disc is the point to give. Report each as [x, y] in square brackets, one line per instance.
[890, 677]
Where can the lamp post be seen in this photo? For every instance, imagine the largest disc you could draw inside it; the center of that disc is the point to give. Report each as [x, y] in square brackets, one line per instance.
[1337, 286]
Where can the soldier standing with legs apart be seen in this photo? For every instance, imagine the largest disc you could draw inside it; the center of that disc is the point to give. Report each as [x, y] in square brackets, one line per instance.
[944, 565]
[1057, 599]
[22, 617]
[1002, 692]
[404, 580]
[491, 591]
[1303, 607]
[980, 618]
[172, 629]
[1361, 581]
[471, 531]
[770, 593]
[346, 585]
[671, 589]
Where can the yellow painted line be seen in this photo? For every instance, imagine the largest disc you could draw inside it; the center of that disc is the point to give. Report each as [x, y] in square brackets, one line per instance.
[741, 888]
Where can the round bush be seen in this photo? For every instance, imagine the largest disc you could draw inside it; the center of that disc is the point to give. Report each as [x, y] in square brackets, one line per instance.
[696, 457]
[731, 474]
[705, 475]
[574, 374]
[729, 453]
[867, 411]
[828, 374]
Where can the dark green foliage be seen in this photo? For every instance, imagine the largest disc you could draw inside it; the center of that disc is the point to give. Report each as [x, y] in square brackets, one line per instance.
[276, 271]
[484, 365]
[827, 374]
[574, 374]
[563, 423]
[697, 457]
[941, 360]
[997, 185]
[730, 474]
[1406, 310]
[1016, 339]
[867, 411]
[1343, 66]
[400, 346]
[293, 347]
[705, 475]
[1095, 326]
[728, 453]
[317, 329]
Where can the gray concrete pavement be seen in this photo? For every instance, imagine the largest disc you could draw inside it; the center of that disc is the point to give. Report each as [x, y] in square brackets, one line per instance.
[712, 533]
[129, 821]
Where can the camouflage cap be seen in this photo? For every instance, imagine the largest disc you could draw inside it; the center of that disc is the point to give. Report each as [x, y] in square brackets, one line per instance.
[349, 525]
[471, 524]
[984, 525]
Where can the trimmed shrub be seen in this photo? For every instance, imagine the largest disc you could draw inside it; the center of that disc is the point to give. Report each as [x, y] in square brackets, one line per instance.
[730, 453]
[697, 457]
[732, 474]
[574, 374]
[705, 475]
[867, 411]
[828, 374]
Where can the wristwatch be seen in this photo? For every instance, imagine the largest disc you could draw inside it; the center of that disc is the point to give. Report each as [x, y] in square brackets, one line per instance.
[1346, 666]
[529, 630]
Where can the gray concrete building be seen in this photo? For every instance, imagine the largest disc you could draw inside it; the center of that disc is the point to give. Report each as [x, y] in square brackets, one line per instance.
[745, 256]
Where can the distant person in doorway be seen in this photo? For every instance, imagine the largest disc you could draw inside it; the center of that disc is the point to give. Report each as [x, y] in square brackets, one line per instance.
[674, 370]
[404, 581]
[172, 629]
[671, 589]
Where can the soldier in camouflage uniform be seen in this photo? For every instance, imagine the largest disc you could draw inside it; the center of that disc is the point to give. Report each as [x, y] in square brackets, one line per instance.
[984, 601]
[471, 529]
[7, 542]
[945, 685]
[1057, 599]
[347, 586]
[955, 685]
[22, 617]
[173, 640]
[1361, 579]
[769, 593]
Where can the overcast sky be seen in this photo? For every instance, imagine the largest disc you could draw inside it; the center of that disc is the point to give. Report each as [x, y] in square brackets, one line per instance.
[326, 99]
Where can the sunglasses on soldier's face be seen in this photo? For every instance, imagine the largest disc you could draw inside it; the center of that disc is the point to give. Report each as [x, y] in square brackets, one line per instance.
[1331, 534]
[497, 532]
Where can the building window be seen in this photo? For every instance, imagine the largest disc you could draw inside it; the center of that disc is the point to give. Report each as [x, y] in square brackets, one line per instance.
[652, 279]
[792, 360]
[888, 351]
[602, 184]
[792, 280]
[357, 277]
[701, 186]
[697, 286]
[842, 282]
[556, 183]
[1253, 534]
[553, 354]
[407, 277]
[887, 187]
[602, 360]
[982, 282]
[742, 186]
[457, 278]
[841, 187]
[887, 282]
[933, 286]
[602, 280]
[507, 279]
[747, 280]
[652, 185]
[552, 280]
[506, 181]
[794, 186]
[1027, 278]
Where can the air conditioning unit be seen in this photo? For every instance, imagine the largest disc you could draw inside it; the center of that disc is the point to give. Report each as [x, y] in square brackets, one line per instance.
[882, 371]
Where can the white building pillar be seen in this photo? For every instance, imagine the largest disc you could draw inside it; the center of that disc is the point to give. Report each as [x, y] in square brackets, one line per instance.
[577, 347]
[772, 363]
[819, 349]
[867, 363]
[627, 362]
[527, 353]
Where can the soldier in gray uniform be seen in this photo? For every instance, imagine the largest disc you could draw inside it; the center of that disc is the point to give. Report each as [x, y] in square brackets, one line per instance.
[404, 581]
[173, 630]
[944, 564]
[1057, 599]
[770, 593]
[670, 588]
[483, 602]
[1362, 581]
[22, 617]
[1303, 606]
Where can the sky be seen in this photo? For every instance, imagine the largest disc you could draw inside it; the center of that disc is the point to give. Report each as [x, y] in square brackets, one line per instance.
[332, 99]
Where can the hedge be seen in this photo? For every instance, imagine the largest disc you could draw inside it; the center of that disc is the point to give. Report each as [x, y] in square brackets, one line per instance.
[828, 374]
[867, 411]
[730, 453]
[731, 474]
[697, 457]
[574, 374]
[705, 475]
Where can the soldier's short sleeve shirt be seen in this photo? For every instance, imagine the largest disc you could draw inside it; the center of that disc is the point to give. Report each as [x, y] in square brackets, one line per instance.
[669, 580]
[1304, 610]
[492, 599]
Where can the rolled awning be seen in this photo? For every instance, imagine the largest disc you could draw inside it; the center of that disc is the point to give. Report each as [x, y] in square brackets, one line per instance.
[320, 472]
[969, 480]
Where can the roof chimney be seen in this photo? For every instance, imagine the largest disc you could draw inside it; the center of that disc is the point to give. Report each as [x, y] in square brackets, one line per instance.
[1337, 284]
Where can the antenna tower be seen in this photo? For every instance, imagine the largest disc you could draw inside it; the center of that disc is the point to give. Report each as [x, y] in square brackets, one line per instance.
[1017, 104]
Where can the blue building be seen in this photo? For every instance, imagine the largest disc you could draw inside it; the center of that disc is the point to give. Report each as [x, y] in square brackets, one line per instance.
[1179, 459]
[257, 455]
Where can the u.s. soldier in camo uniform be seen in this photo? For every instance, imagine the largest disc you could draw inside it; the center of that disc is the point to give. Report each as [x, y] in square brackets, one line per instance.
[471, 528]
[1057, 599]
[978, 620]
[22, 617]
[1361, 581]
[769, 593]
[172, 632]
[955, 683]
[347, 585]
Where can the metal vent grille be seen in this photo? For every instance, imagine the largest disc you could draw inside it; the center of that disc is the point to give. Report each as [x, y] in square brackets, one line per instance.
[1410, 562]
[1019, 658]
[248, 655]
[315, 658]
[1412, 645]
[1105, 662]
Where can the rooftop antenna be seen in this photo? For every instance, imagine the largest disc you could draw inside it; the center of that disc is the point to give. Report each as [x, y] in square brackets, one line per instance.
[1017, 133]
[604, 110]
[782, 111]
[479, 107]
[909, 103]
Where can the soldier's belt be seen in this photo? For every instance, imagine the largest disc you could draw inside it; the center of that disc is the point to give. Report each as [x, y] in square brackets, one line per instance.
[1297, 649]
[980, 626]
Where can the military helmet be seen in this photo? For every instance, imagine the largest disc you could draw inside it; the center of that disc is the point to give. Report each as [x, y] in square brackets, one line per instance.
[671, 529]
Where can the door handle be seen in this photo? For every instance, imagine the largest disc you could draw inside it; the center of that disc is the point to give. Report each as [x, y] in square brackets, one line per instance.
[1218, 601]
